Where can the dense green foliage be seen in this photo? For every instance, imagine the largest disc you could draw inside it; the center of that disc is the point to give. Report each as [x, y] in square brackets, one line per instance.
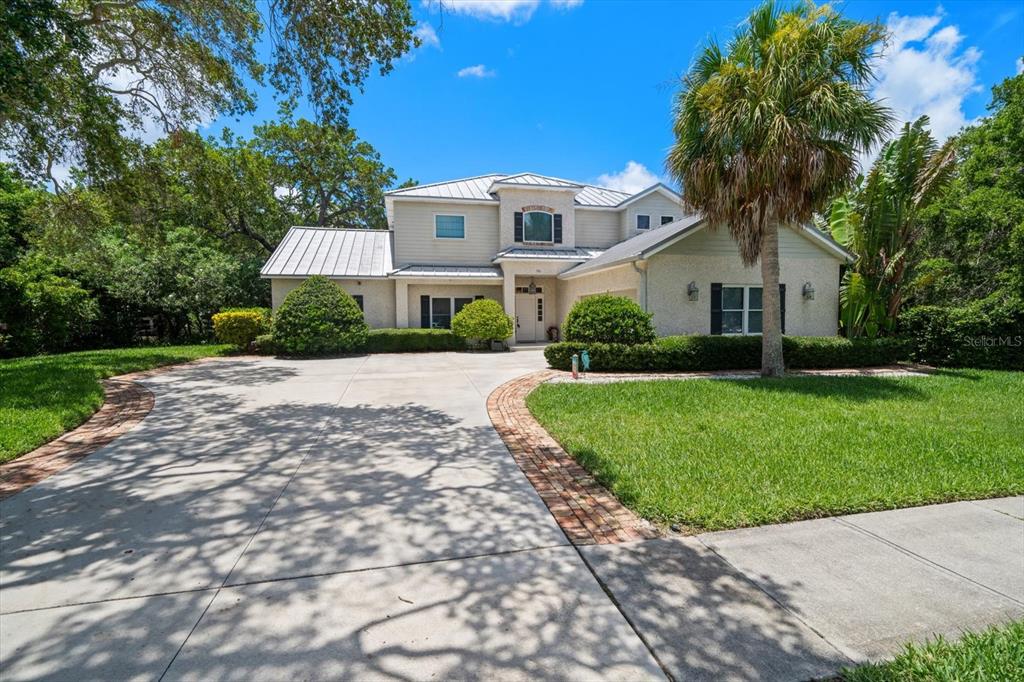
[880, 221]
[768, 130]
[483, 320]
[319, 318]
[412, 340]
[986, 334]
[44, 396]
[78, 78]
[993, 655]
[179, 235]
[974, 244]
[715, 454]
[608, 319]
[240, 327]
[42, 309]
[710, 353]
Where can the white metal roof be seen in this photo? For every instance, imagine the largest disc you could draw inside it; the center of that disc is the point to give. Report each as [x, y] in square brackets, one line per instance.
[580, 253]
[534, 180]
[331, 252]
[449, 271]
[480, 188]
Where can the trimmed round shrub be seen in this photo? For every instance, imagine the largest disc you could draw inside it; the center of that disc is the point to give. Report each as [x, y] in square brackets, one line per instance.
[240, 327]
[482, 320]
[608, 319]
[319, 318]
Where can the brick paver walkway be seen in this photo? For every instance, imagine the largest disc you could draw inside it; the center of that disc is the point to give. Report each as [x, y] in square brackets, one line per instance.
[584, 509]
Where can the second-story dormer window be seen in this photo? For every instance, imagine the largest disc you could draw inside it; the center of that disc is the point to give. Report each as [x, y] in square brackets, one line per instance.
[538, 227]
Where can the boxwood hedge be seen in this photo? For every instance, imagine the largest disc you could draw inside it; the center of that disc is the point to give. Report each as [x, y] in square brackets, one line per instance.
[710, 353]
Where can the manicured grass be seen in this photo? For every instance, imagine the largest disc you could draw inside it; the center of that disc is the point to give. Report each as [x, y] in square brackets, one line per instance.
[996, 654]
[715, 454]
[41, 397]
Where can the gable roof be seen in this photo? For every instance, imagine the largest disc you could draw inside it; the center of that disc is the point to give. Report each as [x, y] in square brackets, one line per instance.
[331, 252]
[635, 247]
[481, 188]
[649, 243]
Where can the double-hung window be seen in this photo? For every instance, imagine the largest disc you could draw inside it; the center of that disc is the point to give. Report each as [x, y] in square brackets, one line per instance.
[449, 227]
[741, 310]
[643, 222]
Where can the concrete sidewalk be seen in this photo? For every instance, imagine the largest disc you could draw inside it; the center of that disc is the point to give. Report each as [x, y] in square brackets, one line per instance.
[801, 600]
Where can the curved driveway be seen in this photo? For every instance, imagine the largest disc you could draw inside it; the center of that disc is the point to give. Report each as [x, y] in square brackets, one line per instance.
[273, 519]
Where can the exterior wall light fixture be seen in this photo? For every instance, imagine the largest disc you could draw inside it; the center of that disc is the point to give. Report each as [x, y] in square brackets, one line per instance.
[808, 291]
[692, 291]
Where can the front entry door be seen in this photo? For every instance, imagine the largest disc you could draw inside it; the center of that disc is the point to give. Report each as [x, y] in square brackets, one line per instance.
[529, 317]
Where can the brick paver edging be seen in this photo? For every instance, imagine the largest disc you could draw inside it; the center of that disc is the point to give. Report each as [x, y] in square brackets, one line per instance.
[585, 510]
[125, 404]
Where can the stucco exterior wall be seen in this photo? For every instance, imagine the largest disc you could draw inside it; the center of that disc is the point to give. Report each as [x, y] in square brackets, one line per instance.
[514, 199]
[491, 291]
[414, 234]
[622, 281]
[707, 257]
[378, 297]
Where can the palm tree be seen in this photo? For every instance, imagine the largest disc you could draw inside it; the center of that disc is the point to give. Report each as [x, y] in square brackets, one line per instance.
[879, 222]
[768, 130]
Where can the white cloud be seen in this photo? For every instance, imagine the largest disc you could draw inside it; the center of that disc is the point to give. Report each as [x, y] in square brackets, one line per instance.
[926, 70]
[427, 35]
[566, 4]
[478, 71]
[1020, 65]
[633, 178]
[518, 11]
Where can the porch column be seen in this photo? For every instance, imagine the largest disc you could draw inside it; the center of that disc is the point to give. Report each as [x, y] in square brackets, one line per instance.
[508, 293]
[401, 303]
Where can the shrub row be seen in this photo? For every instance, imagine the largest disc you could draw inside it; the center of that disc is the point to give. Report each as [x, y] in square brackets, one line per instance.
[987, 334]
[412, 341]
[710, 353]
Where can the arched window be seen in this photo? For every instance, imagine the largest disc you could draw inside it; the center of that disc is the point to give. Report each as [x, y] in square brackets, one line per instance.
[538, 226]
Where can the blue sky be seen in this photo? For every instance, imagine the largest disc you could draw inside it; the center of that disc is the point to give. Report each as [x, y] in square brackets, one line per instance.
[583, 90]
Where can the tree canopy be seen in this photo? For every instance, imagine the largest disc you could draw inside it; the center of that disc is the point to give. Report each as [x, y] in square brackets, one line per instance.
[76, 76]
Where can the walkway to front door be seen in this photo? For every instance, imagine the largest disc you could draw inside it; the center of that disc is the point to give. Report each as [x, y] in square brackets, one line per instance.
[529, 315]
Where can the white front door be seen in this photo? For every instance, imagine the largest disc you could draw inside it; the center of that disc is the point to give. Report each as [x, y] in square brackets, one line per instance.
[529, 317]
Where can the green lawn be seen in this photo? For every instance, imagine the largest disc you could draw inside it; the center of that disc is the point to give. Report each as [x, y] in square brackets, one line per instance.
[996, 655]
[715, 454]
[41, 397]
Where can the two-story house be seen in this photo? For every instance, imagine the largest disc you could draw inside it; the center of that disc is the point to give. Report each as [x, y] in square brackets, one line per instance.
[538, 244]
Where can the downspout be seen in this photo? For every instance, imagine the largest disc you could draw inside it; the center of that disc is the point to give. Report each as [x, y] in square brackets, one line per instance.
[641, 267]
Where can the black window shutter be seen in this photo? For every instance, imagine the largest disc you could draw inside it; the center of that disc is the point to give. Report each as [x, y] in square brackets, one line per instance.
[782, 307]
[519, 227]
[558, 228]
[716, 307]
[425, 312]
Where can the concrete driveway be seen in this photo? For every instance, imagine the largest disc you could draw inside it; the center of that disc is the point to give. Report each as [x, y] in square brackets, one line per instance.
[272, 519]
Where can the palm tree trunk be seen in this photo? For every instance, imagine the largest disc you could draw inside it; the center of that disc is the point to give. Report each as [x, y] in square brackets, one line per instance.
[771, 320]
